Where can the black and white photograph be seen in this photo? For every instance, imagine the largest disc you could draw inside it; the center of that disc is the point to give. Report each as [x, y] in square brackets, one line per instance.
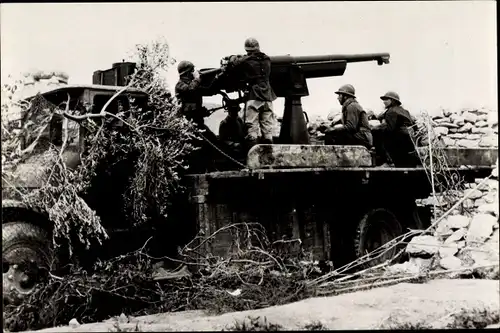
[249, 166]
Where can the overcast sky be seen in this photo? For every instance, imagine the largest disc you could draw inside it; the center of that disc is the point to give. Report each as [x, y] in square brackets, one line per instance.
[443, 54]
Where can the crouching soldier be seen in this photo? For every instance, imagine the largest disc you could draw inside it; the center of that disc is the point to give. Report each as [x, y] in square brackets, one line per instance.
[355, 129]
[232, 131]
[396, 144]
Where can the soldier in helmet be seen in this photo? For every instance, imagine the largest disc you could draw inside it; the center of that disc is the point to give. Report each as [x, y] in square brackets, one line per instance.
[355, 129]
[186, 91]
[232, 130]
[396, 144]
[256, 68]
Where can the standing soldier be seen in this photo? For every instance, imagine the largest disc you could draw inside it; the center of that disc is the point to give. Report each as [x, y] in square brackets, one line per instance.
[256, 68]
[397, 146]
[187, 92]
[355, 129]
[232, 130]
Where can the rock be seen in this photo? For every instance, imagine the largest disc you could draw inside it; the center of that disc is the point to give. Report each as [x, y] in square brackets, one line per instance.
[491, 209]
[457, 136]
[474, 194]
[488, 185]
[448, 142]
[468, 203]
[492, 119]
[448, 125]
[490, 197]
[448, 250]
[494, 173]
[465, 128]
[440, 131]
[74, 323]
[450, 263]
[457, 221]
[441, 120]
[456, 236]
[488, 141]
[482, 117]
[479, 202]
[423, 245]
[457, 119]
[480, 228]
[447, 112]
[470, 117]
[481, 123]
[467, 143]
[123, 318]
[483, 130]
[474, 136]
[461, 244]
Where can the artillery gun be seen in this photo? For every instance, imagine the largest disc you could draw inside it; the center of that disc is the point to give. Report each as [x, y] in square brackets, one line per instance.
[331, 197]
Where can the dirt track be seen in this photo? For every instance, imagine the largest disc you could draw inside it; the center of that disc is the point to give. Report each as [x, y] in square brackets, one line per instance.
[432, 303]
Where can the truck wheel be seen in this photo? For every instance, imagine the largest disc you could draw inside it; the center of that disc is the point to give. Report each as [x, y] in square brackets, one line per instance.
[25, 259]
[376, 228]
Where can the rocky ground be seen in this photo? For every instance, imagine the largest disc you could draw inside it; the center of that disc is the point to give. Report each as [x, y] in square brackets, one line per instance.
[437, 304]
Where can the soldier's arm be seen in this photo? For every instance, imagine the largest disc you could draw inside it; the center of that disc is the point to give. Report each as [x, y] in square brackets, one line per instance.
[391, 119]
[352, 119]
[184, 88]
[237, 60]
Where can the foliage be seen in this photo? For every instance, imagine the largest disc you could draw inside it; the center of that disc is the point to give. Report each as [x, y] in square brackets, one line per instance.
[154, 140]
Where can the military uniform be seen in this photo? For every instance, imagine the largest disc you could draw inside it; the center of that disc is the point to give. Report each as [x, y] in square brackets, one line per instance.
[186, 91]
[396, 140]
[256, 68]
[232, 134]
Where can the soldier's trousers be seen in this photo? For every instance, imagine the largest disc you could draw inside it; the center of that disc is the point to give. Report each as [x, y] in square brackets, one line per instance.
[259, 119]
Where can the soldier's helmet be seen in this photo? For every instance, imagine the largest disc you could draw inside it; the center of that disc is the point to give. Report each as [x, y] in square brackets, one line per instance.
[347, 89]
[185, 67]
[252, 44]
[391, 95]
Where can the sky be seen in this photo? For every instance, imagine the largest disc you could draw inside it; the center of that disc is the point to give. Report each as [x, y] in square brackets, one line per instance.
[443, 53]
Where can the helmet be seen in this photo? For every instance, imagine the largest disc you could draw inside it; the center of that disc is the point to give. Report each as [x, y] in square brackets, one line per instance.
[391, 95]
[251, 44]
[184, 67]
[347, 89]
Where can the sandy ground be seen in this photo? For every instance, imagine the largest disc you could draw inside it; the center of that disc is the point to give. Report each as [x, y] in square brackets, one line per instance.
[433, 302]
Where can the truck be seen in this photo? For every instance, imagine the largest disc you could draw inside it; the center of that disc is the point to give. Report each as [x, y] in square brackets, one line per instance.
[335, 199]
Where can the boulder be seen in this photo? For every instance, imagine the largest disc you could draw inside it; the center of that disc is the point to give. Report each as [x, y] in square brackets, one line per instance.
[489, 141]
[412, 266]
[423, 245]
[468, 203]
[488, 185]
[448, 125]
[481, 227]
[470, 117]
[441, 131]
[450, 263]
[482, 117]
[448, 250]
[457, 136]
[467, 143]
[465, 128]
[456, 236]
[457, 119]
[449, 142]
[461, 244]
[481, 123]
[479, 202]
[457, 221]
[474, 136]
[474, 194]
[490, 197]
[491, 209]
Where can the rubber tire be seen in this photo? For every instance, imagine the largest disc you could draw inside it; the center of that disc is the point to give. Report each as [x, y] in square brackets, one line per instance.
[19, 237]
[386, 225]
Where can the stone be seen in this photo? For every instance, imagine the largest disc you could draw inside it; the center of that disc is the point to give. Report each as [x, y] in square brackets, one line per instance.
[494, 173]
[467, 143]
[470, 117]
[450, 263]
[448, 125]
[481, 227]
[457, 221]
[441, 120]
[479, 202]
[491, 197]
[489, 141]
[440, 131]
[490, 209]
[447, 250]
[448, 142]
[456, 236]
[74, 323]
[123, 318]
[483, 130]
[474, 194]
[481, 123]
[488, 185]
[468, 203]
[457, 119]
[482, 117]
[461, 244]
[423, 245]
[457, 136]
[492, 119]
[465, 128]
[474, 136]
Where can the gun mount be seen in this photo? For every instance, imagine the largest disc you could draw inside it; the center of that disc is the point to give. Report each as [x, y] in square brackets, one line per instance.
[289, 80]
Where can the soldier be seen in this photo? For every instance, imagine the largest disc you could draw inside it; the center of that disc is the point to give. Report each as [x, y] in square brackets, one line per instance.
[232, 130]
[256, 68]
[396, 144]
[355, 129]
[186, 90]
